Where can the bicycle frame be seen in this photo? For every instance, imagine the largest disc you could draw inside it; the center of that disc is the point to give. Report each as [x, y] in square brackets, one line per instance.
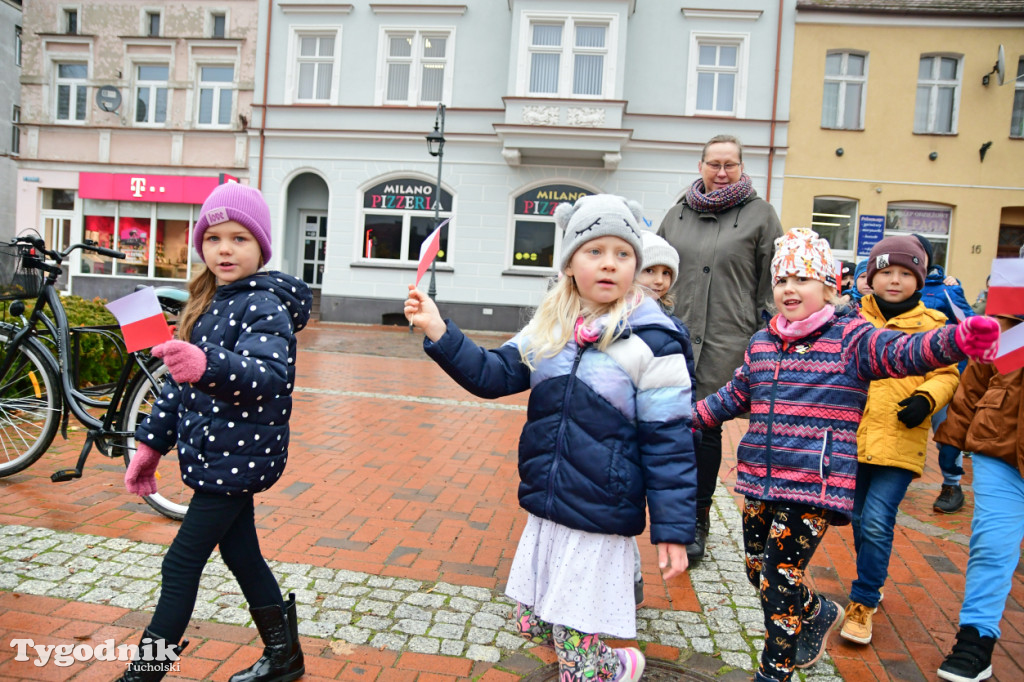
[72, 399]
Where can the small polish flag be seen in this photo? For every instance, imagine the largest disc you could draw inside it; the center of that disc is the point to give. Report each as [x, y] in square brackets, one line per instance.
[428, 250]
[1006, 287]
[141, 318]
[1011, 350]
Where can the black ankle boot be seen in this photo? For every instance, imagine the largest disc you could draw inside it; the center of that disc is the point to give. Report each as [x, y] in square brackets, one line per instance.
[695, 550]
[152, 661]
[971, 658]
[282, 659]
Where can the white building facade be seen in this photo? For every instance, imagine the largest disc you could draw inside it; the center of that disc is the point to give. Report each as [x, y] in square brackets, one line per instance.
[10, 110]
[545, 102]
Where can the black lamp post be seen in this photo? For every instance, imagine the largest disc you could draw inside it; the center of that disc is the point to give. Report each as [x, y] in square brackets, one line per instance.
[435, 145]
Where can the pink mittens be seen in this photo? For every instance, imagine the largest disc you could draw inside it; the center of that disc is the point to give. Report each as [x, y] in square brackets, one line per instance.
[140, 479]
[978, 338]
[186, 361]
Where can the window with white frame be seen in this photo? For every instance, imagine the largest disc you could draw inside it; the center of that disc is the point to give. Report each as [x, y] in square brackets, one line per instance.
[17, 45]
[15, 130]
[568, 56]
[1017, 117]
[315, 58]
[218, 24]
[842, 104]
[416, 66]
[216, 95]
[72, 92]
[151, 93]
[151, 23]
[535, 237]
[397, 216]
[716, 82]
[938, 94]
[834, 218]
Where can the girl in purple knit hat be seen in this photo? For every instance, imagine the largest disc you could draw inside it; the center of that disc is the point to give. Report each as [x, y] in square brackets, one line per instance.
[227, 411]
[804, 381]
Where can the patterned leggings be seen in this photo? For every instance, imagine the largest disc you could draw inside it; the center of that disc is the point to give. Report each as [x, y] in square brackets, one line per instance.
[779, 539]
[581, 657]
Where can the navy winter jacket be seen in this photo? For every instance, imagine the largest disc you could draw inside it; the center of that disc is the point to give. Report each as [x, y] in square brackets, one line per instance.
[231, 426]
[933, 295]
[605, 431]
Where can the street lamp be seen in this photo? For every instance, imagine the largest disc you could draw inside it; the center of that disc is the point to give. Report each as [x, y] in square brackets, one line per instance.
[435, 145]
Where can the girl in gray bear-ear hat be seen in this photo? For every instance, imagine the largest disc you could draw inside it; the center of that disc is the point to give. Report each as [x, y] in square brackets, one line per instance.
[607, 432]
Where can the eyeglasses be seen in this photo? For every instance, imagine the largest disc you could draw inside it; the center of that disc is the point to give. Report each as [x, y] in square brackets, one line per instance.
[715, 166]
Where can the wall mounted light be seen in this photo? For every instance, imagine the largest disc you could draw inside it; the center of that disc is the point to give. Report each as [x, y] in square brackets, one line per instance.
[840, 151]
[933, 156]
[984, 149]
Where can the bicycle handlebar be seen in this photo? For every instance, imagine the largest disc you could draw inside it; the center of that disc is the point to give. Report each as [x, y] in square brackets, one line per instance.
[88, 245]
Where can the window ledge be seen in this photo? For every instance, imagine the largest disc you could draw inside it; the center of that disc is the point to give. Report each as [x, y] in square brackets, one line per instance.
[396, 265]
[526, 273]
[852, 130]
[917, 132]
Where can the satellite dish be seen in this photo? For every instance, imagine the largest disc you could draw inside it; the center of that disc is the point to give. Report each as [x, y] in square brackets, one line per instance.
[999, 69]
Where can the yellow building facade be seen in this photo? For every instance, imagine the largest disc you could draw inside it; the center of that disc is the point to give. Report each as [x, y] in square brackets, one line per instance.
[893, 131]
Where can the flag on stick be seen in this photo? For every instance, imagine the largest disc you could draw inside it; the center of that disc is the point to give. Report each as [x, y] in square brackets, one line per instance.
[428, 250]
[1006, 287]
[1011, 350]
[141, 319]
[957, 313]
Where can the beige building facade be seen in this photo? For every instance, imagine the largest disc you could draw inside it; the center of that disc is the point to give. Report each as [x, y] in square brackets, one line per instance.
[899, 124]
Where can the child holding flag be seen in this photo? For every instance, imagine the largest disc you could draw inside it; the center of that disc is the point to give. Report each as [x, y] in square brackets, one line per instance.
[804, 382]
[608, 430]
[227, 409]
[985, 418]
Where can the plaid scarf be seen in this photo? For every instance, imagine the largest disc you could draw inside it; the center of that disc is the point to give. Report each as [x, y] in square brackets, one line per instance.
[720, 199]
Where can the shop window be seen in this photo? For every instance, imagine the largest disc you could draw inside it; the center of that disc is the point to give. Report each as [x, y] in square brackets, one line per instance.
[151, 93]
[216, 95]
[98, 224]
[416, 67]
[72, 92]
[171, 247]
[535, 238]
[834, 219]
[154, 237]
[931, 221]
[397, 216]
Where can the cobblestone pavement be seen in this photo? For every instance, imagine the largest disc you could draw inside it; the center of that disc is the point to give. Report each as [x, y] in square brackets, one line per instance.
[395, 525]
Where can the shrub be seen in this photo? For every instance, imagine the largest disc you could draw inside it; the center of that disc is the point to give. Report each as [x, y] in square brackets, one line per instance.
[99, 361]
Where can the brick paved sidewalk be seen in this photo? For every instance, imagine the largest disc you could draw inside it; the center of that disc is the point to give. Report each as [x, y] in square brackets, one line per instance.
[399, 475]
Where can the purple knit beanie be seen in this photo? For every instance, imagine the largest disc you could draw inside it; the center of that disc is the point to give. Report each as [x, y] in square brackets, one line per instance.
[241, 203]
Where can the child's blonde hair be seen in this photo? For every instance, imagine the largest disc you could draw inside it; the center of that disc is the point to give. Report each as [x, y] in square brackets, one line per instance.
[554, 322]
[201, 290]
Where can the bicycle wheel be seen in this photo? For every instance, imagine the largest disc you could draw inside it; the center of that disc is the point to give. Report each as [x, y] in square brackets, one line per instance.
[172, 496]
[29, 405]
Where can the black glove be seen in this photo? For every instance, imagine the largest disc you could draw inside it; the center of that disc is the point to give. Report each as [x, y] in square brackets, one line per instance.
[915, 410]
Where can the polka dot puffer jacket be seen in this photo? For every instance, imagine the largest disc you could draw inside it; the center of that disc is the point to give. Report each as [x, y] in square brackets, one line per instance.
[231, 426]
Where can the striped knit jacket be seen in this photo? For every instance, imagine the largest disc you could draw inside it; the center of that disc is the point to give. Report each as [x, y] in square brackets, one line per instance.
[806, 399]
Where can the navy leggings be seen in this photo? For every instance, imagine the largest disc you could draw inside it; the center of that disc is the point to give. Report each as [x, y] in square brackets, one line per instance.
[212, 519]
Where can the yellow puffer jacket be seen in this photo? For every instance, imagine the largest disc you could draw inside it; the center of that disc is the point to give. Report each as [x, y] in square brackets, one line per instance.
[882, 438]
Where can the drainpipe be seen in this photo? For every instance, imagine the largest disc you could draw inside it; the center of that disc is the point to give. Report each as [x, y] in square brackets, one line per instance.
[775, 103]
[266, 77]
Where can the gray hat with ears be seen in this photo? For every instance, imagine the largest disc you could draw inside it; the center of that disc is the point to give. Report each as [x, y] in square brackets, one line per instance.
[599, 215]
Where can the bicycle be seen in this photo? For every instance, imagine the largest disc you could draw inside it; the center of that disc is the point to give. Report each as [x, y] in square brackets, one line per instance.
[39, 368]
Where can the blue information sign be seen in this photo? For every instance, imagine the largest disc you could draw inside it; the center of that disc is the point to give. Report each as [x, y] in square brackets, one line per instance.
[872, 227]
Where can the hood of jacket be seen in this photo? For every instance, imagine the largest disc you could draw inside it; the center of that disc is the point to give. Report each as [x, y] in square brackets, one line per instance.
[293, 292]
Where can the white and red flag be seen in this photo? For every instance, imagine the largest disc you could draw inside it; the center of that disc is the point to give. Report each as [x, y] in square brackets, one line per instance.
[1011, 350]
[428, 250]
[1006, 287]
[141, 318]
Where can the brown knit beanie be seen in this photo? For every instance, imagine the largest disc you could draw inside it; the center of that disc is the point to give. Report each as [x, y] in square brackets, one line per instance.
[905, 251]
